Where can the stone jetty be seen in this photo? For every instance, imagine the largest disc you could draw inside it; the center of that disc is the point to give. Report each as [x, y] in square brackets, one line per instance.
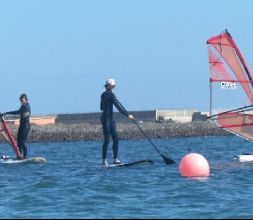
[90, 132]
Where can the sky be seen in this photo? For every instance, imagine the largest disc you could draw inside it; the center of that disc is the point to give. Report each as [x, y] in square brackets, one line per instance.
[60, 52]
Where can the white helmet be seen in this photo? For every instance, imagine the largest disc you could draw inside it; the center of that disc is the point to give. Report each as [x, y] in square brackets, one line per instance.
[111, 82]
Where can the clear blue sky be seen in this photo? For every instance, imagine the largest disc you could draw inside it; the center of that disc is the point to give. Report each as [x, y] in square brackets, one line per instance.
[60, 52]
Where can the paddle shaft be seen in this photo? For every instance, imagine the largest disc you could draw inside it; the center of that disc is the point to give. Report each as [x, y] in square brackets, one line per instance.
[151, 142]
[168, 161]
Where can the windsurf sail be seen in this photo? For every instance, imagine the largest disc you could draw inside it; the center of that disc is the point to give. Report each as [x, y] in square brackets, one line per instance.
[231, 87]
[7, 135]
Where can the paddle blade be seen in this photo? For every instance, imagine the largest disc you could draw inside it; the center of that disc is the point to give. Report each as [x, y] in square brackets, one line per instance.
[168, 161]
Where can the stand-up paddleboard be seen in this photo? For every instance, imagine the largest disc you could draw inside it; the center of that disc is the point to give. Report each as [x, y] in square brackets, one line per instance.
[244, 158]
[32, 160]
[140, 162]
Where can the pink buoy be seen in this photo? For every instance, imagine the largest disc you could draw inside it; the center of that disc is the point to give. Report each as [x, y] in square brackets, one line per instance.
[194, 165]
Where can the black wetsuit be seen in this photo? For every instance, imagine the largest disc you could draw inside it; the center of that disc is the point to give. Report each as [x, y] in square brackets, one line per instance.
[24, 127]
[108, 99]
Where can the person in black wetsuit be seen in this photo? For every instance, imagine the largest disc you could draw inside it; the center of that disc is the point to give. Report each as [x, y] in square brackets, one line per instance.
[24, 127]
[108, 99]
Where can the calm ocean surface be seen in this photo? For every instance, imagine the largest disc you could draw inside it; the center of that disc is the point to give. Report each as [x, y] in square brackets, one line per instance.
[73, 184]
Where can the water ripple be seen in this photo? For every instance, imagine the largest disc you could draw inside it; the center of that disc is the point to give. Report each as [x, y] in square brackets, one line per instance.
[73, 183]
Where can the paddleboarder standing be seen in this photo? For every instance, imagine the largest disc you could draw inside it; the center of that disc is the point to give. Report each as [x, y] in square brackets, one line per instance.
[108, 100]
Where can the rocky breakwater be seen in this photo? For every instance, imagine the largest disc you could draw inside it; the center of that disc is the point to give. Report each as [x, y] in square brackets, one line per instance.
[90, 132]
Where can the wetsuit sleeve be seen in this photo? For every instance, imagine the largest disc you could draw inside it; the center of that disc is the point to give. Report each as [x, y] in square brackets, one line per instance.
[17, 112]
[119, 106]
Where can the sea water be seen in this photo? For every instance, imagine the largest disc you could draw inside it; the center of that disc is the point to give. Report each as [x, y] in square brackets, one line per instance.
[73, 184]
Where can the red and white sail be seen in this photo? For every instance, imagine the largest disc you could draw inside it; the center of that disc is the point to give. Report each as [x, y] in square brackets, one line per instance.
[231, 86]
[7, 135]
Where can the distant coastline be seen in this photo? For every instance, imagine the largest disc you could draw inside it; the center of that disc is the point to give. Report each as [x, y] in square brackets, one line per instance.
[93, 132]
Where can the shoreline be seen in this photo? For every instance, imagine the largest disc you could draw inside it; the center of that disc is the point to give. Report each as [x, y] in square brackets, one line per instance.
[126, 131]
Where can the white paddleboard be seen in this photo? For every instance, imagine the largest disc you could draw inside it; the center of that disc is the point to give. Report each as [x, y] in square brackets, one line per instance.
[32, 160]
[244, 158]
[130, 164]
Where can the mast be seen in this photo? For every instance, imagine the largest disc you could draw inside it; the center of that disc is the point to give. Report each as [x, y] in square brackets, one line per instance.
[211, 96]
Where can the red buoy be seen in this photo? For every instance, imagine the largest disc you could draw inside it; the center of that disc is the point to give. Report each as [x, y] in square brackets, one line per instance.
[194, 165]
